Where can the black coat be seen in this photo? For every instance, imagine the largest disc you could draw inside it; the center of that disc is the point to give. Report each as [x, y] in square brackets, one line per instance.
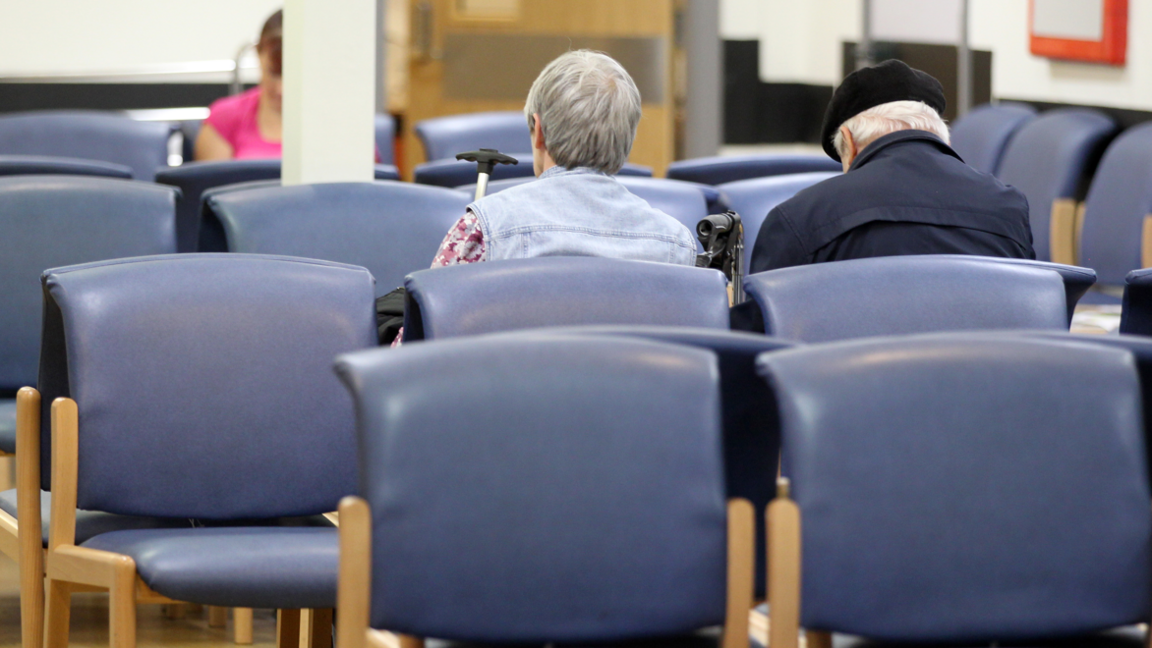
[906, 193]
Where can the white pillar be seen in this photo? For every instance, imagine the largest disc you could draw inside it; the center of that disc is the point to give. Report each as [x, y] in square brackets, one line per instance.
[329, 90]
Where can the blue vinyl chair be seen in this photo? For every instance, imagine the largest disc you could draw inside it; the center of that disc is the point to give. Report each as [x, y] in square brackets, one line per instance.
[751, 428]
[916, 465]
[195, 178]
[673, 197]
[457, 173]
[390, 228]
[1077, 281]
[46, 165]
[444, 137]
[1119, 201]
[1136, 313]
[88, 135]
[981, 136]
[476, 298]
[539, 490]
[724, 169]
[48, 221]
[906, 294]
[753, 199]
[385, 127]
[1049, 159]
[219, 414]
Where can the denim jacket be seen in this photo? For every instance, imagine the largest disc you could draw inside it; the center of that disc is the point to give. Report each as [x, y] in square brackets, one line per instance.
[579, 212]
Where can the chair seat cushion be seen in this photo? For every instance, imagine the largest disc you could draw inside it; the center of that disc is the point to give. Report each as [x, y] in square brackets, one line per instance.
[90, 524]
[8, 426]
[258, 567]
[707, 638]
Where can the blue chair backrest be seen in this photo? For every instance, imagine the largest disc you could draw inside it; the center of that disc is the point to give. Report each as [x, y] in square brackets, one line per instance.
[194, 178]
[88, 135]
[981, 136]
[48, 221]
[453, 173]
[1136, 313]
[906, 294]
[1077, 280]
[723, 169]
[1051, 157]
[753, 199]
[1118, 201]
[385, 126]
[203, 381]
[444, 137]
[535, 489]
[751, 427]
[391, 228]
[476, 298]
[919, 465]
[47, 165]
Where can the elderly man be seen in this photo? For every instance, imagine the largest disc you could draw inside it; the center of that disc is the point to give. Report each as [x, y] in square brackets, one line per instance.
[582, 111]
[904, 190]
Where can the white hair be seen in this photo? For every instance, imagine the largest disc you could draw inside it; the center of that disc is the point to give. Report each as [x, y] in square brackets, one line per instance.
[878, 121]
[589, 109]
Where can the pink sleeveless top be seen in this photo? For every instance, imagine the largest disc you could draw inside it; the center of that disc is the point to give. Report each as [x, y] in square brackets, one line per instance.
[235, 119]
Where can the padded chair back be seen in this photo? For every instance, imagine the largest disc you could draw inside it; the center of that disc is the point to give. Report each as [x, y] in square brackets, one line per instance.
[542, 489]
[203, 382]
[477, 298]
[45, 165]
[48, 221]
[209, 233]
[390, 228]
[723, 169]
[906, 294]
[981, 136]
[1051, 157]
[1077, 280]
[918, 463]
[1136, 313]
[385, 126]
[1118, 201]
[751, 427]
[444, 137]
[194, 178]
[453, 173]
[753, 199]
[88, 135]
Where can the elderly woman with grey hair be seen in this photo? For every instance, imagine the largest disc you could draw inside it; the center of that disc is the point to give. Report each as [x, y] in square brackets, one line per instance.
[583, 111]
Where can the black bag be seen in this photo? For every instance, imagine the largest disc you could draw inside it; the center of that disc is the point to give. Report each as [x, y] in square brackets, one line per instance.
[390, 315]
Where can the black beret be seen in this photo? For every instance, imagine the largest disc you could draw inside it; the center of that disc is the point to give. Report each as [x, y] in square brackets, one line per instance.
[869, 87]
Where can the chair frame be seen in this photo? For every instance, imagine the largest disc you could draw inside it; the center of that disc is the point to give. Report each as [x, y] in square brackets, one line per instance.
[71, 568]
[353, 597]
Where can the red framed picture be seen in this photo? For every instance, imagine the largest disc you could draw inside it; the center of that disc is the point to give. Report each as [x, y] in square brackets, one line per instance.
[1095, 31]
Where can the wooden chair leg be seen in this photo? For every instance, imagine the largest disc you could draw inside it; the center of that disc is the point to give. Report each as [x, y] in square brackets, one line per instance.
[288, 628]
[122, 609]
[57, 616]
[320, 629]
[32, 598]
[242, 625]
[217, 616]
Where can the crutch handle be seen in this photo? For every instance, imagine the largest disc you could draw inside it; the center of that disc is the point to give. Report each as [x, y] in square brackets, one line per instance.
[487, 159]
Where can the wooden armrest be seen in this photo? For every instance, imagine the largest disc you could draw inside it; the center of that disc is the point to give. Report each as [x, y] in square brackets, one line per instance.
[1146, 243]
[1062, 238]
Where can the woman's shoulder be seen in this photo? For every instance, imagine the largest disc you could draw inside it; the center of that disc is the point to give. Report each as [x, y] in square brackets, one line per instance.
[235, 103]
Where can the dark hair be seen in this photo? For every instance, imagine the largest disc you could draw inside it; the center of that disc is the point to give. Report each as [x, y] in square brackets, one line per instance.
[272, 40]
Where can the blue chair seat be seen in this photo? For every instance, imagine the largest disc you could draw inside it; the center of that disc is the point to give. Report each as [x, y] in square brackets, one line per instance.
[90, 524]
[1125, 637]
[232, 566]
[709, 638]
[8, 426]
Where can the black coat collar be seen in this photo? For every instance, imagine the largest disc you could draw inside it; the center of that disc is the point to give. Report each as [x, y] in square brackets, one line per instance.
[874, 149]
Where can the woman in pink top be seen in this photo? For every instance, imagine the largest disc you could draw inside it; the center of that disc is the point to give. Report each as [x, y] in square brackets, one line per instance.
[247, 125]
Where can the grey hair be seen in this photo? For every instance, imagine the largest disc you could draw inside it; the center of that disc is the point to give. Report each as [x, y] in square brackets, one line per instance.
[589, 109]
[887, 118]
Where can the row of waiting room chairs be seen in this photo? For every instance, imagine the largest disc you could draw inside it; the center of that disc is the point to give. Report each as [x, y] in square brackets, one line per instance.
[607, 442]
